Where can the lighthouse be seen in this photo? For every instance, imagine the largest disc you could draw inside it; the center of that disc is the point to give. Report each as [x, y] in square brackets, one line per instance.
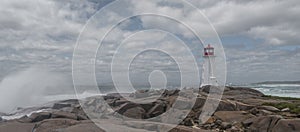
[208, 69]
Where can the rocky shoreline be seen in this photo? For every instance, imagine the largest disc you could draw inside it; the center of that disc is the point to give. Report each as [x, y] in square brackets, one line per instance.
[240, 109]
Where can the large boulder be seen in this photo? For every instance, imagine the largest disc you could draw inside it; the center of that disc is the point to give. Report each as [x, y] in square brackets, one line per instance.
[287, 125]
[243, 107]
[151, 126]
[175, 116]
[83, 127]
[158, 109]
[211, 89]
[149, 106]
[233, 116]
[141, 94]
[124, 107]
[200, 101]
[24, 119]
[265, 112]
[264, 123]
[170, 92]
[135, 112]
[269, 108]
[226, 105]
[36, 117]
[62, 114]
[51, 125]
[119, 102]
[182, 103]
[16, 127]
[60, 105]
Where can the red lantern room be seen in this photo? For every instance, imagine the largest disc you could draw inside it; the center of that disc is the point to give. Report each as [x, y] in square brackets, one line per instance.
[209, 51]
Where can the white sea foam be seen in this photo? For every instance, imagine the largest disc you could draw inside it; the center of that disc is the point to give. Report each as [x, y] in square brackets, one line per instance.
[282, 90]
[19, 115]
[280, 85]
[30, 87]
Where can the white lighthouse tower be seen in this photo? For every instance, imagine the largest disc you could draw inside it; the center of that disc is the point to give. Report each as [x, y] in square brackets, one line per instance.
[208, 76]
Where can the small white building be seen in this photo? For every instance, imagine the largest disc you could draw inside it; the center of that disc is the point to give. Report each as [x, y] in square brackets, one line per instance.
[208, 69]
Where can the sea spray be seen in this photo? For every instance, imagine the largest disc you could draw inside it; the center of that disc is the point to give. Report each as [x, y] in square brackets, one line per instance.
[31, 87]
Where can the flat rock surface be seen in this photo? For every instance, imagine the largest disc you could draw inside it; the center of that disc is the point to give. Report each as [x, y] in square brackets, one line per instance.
[16, 127]
[233, 116]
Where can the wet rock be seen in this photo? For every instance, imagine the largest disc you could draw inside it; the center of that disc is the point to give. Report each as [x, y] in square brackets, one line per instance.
[36, 117]
[287, 125]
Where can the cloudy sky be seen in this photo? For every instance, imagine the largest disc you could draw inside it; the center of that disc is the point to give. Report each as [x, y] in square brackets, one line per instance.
[260, 38]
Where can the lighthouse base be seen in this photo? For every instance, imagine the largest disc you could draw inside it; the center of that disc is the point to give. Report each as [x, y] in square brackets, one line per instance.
[212, 81]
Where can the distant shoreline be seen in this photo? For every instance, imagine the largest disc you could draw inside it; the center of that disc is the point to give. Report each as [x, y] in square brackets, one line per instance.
[278, 82]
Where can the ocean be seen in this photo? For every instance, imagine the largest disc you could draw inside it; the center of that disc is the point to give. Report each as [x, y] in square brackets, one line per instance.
[282, 90]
